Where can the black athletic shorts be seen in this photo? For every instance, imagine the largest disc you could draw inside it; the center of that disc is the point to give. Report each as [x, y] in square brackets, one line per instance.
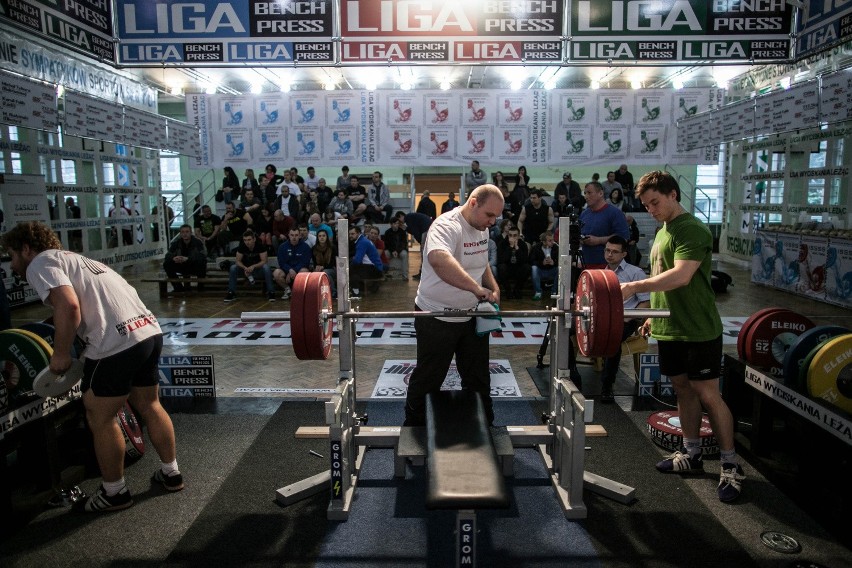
[137, 366]
[698, 360]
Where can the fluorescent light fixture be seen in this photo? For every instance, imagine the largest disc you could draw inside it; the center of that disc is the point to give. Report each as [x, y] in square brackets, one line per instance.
[595, 84]
[285, 87]
[329, 86]
[785, 82]
[177, 90]
[405, 86]
[371, 84]
[445, 85]
[635, 84]
[550, 84]
[677, 84]
[209, 88]
[515, 85]
[256, 88]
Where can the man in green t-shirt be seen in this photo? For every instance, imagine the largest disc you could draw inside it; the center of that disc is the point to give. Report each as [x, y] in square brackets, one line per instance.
[690, 341]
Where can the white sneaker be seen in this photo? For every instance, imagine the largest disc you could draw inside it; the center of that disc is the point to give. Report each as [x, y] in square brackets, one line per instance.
[286, 295]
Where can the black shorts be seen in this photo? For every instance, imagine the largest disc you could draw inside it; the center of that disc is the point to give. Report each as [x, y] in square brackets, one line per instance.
[137, 366]
[698, 360]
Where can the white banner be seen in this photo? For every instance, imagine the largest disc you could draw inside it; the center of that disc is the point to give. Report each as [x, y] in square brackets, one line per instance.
[443, 128]
[23, 199]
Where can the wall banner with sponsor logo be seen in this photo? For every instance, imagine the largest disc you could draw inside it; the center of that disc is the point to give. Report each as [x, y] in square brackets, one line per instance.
[677, 30]
[187, 376]
[237, 32]
[443, 128]
[822, 24]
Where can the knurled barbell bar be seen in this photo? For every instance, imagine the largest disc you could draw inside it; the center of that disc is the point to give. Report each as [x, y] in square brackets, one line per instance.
[598, 308]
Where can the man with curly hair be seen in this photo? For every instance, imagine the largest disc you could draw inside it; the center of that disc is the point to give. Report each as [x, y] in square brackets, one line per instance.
[123, 343]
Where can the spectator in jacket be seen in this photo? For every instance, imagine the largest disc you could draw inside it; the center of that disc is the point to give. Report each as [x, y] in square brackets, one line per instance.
[294, 256]
[186, 257]
[544, 259]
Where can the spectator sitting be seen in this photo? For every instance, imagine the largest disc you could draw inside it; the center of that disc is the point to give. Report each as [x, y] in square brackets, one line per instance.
[500, 231]
[366, 264]
[343, 180]
[294, 256]
[250, 182]
[341, 205]
[207, 228]
[324, 195]
[372, 233]
[396, 244]
[358, 194]
[235, 222]
[251, 204]
[379, 209]
[450, 203]
[324, 255]
[306, 235]
[544, 259]
[308, 206]
[571, 190]
[290, 182]
[513, 263]
[263, 227]
[561, 207]
[268, 184]
[315, 224]
[312, 181]
[616, 199]
[287, 202]
[230, 186]
[186, 257]
[281, 225]
[252, 262]
[610, 184]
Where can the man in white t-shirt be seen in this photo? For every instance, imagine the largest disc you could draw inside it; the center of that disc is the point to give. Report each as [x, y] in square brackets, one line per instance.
[123, 344]
[455, 275]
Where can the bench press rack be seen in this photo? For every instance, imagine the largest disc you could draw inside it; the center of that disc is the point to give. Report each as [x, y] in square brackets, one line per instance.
[561, 443]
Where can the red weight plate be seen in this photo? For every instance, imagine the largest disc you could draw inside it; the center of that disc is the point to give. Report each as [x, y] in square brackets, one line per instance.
[317, 299]
[666, 432]
[615, 327]
[134, 444]
[298, 325]
[741, 336]
[601, 311]
[593, 294]
[769, 337]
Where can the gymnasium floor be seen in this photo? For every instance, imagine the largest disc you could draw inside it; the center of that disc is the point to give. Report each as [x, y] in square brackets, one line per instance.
[264, 372]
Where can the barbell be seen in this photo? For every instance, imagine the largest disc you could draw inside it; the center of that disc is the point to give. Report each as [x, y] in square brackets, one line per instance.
[598, 309]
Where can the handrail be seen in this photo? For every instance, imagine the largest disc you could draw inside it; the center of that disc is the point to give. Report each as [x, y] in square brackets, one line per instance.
[690, 195]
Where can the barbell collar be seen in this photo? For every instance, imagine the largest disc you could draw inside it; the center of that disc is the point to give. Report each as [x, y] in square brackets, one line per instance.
[645, 313]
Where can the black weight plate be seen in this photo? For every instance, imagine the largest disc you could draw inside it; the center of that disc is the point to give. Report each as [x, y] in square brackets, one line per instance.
[798, 351]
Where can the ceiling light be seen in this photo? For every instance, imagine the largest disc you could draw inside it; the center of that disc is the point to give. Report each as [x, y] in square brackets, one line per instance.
[256, 88]
[210, 88]
[285, 87]
[785, 82]
[177, 90]
[445, 85]
[677, 84]
[329, 86]
[635, 84]
[515, 86]
[595, 84]
[550, 84]
[371, 85]
[406, 86]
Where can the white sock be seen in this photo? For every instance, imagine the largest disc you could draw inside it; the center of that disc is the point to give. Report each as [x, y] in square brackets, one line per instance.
[693, 447]
[113, 487]
[169, 468]
[728, 456]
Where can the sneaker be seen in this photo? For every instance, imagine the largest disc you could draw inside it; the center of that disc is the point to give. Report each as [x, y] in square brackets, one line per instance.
[680, 462]
[286, 295]
[537, 296]
[271, 297]
[100, 502]
[230, 297]
[606, 395]
[356, 294]
[172, 482]
[730, 482]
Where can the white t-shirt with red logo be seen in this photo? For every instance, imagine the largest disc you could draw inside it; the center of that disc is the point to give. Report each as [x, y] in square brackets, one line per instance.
[113, 318]
[452, 233]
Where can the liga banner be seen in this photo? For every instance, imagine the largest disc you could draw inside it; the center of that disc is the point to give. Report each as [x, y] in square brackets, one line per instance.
[395, 374]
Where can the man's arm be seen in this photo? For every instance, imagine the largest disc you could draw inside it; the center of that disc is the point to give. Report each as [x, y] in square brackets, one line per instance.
[521, 219]
[66, 318]
[677, 277]
[450, 271]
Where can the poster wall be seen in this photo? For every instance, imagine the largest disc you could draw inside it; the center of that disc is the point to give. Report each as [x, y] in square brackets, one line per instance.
[442, 128]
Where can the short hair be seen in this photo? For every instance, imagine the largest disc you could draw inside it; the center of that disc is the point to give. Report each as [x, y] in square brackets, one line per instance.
[355, 228]
[377, 172]
[475, 162]
[485, 192]
[271, 167]
[249, 233]
[302, 225]
[544, 235]
[618, 240]
[38, 236]
[537, 192]
[596, 184]
[352, 178]
[185, 225]
[661, 182]
[294, 228]
[344, 169]
[203, 207]
[515, 229]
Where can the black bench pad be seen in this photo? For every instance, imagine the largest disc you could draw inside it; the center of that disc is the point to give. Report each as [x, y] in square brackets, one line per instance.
[464, 471]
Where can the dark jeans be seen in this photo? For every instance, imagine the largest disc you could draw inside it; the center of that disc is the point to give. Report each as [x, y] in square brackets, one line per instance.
[195, 266]
[611, 364]
[513, 276]
[437, 342]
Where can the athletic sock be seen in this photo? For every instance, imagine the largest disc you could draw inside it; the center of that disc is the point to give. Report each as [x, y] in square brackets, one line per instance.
[693, 446]
[169, 468]
[113, 487]
[728, 456]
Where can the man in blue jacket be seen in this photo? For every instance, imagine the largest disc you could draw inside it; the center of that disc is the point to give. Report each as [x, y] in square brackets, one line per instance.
[294, 256]
[366, 263]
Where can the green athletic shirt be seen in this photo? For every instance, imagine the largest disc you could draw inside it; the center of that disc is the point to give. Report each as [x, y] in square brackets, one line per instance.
[694, 316]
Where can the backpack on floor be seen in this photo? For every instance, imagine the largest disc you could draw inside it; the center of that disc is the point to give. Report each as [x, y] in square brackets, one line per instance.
[720, 281]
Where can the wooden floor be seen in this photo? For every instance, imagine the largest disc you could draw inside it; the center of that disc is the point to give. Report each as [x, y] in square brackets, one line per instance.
[277, 367]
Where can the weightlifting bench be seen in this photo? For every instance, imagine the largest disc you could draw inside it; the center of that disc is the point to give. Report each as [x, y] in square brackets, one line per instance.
[465, 473]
